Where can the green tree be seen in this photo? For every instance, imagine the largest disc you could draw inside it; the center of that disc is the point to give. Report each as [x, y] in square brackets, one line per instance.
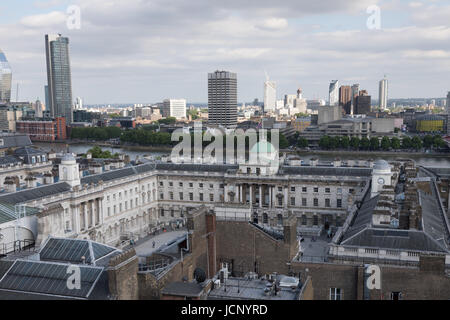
[395, 143]
[364, 144]
[438, 142]
[406, 143]
[283, 142]
[385, 143]
[168, 120]
[416, 143]
[354, 143]
[428, 141]
[344, 142]
[302, 143]
[324, 142]
[374, 143]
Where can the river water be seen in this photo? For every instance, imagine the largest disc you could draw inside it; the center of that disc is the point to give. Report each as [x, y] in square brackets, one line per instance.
[419, 158]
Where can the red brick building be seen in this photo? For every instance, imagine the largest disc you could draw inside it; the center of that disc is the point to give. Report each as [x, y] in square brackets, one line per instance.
[43, 129]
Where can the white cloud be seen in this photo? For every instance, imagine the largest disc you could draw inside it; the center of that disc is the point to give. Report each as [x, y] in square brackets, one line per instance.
[53, 18]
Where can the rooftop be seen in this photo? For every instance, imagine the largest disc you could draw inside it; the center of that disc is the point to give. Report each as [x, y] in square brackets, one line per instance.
[252, 289]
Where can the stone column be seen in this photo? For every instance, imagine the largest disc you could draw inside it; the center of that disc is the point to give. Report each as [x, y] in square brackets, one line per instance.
[225, 196]
[260, 196]
[270, 196]
[85, 215]
[251, 195]
[285, 196]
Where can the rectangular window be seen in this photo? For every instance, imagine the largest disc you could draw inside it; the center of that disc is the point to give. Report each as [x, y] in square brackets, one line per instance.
[316, 202]
[191, 196]
[304, 202]
[339, 203]
[280, 201]
[200, 185]
[191, 185]
[292, 189]
[304, 220]
[171, 195]
[181, 195]
[292, 201]
[211, 186]
[304, 189]
[161, 196]
[170, 184]
[161, 183]
[316, 189]
[327, 203]
[211, 197]
[335, 294]
[327, 190]
[201, 196]
[162, 212]
[181, 184]
[339, 190]
[316, 220]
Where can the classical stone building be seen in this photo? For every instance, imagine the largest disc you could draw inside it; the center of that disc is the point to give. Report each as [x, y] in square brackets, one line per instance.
[117, 205]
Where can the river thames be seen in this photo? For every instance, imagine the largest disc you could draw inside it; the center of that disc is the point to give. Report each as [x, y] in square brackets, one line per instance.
[441, 160]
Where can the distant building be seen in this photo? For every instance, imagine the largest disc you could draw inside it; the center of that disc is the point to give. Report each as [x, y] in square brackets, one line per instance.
[43, 129]
[174, 108]
[329, 114]
[59, 76]
[355, 93]
[78, 103]
[345, 98]
[222, 99]
[430, 123]
[383, 94]
[333, 93]
[289, 100]
[363, 103]
[270, 95]
[301, 124]
[5, 79]
[300, 103]
[8, 117]
[313, 105]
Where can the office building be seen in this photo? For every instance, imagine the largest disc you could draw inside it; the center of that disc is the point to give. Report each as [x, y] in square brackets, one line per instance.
[42, 129]
[222, 99]
[383, 94]
[175, 108]
[333, 93]
[363, 103]
[5, 79]
[355, 93]
[345, 98]
[78, 103]
[59, 77]
[270, 96]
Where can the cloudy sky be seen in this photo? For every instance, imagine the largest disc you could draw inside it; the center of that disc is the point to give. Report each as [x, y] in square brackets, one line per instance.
[139, 51]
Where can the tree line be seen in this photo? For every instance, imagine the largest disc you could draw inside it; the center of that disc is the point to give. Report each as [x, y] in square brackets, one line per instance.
[386, 143]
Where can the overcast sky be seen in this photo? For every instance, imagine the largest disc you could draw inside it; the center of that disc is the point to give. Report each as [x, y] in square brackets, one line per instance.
[139, 51]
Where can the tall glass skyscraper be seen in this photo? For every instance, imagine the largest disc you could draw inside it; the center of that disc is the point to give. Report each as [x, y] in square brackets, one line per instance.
[59, 77]
[5, 79]
[383, 94]
[333, 93]
[222, 99]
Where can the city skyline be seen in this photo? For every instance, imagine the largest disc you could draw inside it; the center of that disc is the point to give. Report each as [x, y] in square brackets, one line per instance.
[299, 45]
